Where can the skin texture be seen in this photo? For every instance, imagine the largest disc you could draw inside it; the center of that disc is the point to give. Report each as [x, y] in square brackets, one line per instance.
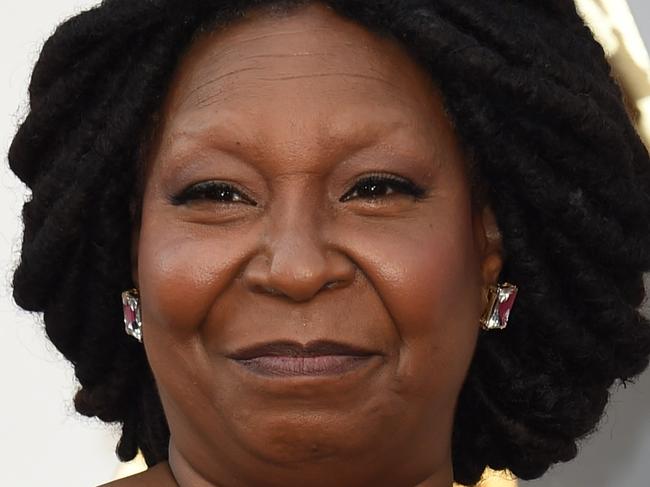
[293, 112]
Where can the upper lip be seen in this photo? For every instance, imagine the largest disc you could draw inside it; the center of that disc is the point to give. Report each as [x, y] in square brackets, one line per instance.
[295, 349]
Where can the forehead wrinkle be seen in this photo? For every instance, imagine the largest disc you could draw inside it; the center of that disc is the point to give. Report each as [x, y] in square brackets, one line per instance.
[223, 52]
[224, 49]
[213, 98]
[225, 46]
[210, 98]
[322, 75]
[212, 81]
[295, 54]
[233, 34]
[216, 62]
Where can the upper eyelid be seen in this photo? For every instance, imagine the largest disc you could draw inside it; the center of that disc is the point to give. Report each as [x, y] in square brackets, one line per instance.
[384, 177]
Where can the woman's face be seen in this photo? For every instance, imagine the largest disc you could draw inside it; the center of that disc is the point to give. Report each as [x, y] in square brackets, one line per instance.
[259, 224]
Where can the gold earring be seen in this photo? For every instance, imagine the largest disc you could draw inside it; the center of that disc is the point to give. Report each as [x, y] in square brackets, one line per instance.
[500, 300]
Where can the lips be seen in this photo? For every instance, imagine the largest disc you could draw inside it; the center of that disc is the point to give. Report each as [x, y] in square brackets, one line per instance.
[316, 358]
[288, 348]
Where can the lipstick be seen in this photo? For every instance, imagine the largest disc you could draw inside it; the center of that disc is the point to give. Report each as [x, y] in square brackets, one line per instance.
[289, 358]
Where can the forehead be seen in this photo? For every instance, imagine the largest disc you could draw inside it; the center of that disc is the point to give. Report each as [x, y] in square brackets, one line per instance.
[306, 85]
[309, 56]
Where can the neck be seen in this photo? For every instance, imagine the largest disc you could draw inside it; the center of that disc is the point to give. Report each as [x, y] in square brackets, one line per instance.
[184, 474]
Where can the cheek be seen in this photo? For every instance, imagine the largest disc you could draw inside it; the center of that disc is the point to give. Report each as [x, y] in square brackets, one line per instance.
[182, 268]
[429, 278]
[439, 284]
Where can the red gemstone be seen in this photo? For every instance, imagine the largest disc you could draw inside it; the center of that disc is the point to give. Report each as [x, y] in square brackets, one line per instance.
[506, 301]
[129, 313]
[132, 319]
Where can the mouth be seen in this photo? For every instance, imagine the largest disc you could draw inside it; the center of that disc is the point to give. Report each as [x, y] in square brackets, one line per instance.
[316, 358]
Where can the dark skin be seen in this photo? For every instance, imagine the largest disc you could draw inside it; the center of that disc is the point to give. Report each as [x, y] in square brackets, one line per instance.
[293, 113]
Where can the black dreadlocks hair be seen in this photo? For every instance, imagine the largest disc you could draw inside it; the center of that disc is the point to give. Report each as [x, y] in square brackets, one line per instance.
[532, 99]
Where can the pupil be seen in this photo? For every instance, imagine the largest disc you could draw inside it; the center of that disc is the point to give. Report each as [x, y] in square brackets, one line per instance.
[371, 189]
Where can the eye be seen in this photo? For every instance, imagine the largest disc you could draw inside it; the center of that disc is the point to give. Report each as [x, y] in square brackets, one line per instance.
[378, 186]
[213, 191]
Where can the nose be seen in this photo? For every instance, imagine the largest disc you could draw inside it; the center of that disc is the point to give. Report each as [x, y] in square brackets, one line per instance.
[296, 262]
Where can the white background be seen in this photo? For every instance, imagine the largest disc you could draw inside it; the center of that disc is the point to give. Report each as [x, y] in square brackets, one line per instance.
[44, 442]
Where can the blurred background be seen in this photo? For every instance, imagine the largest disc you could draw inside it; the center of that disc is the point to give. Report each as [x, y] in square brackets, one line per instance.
[44, 442]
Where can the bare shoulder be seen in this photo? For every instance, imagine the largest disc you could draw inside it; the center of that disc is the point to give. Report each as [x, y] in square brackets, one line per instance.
[157, 476]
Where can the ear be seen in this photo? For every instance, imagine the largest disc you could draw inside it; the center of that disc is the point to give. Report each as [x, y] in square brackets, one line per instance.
[489, 244]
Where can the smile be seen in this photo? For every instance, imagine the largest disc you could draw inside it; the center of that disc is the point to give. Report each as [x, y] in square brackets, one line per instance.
[304, 365]
[287, 358]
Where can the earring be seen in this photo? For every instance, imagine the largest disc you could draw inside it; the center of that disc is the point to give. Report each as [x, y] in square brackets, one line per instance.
[132, 317]
[500, 300]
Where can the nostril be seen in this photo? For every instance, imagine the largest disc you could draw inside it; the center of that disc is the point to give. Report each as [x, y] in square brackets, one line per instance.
[275, 292]
[271, 290]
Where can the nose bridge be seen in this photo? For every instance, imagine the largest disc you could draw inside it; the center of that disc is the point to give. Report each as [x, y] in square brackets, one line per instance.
[295, 259]
[294, 243]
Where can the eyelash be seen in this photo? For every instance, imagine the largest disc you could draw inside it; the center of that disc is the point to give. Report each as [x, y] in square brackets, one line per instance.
[399, 185]
[210, 189]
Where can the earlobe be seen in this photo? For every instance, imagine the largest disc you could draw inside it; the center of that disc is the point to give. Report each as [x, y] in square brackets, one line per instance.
[490, 245]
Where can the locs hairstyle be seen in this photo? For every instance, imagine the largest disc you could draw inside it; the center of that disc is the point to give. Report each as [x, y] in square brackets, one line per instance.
[549, 144]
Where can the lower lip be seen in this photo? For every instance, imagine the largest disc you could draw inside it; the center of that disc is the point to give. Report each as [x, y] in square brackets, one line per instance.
[304, 366]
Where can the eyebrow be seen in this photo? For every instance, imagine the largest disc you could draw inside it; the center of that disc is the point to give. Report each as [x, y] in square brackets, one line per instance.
[228, 135]
[183, 160]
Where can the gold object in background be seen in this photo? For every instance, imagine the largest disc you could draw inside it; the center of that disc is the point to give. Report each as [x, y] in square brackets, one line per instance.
[492, 478]
[614, 27]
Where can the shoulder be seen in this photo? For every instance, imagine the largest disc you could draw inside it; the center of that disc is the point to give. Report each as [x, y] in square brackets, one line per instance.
[157, 476]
